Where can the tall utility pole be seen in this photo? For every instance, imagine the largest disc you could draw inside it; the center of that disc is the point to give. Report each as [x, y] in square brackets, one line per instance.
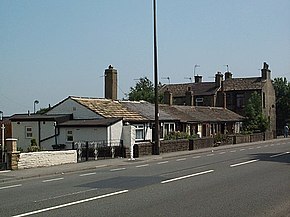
[3, 135]
[156, 131]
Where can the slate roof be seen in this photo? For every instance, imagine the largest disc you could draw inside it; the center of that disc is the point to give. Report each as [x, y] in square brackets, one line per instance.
[109, 108]
[102, 122]
[146, 109]
[199, 89]
[232, 84]
[201, 114]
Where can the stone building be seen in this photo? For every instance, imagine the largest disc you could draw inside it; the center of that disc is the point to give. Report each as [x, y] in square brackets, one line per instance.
[231, 93]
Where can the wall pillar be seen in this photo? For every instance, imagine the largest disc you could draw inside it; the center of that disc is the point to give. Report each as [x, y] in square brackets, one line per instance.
[12, 154]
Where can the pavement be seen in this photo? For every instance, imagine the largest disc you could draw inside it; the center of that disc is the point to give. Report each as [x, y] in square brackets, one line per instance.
[14, 175]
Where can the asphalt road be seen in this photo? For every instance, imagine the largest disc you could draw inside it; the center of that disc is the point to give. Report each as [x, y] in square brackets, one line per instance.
[241, 181]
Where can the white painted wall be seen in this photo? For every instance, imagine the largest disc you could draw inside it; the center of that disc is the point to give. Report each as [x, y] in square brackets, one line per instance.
[46, 158]
[46, 129]
[112, 133]
[70, 106]
[129, 135]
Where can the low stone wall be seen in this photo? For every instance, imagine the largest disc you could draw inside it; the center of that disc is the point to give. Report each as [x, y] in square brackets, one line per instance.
[241, 139]
[201, 143]
[256, 137]
[46, 158]
[167, 146]
[269, 135]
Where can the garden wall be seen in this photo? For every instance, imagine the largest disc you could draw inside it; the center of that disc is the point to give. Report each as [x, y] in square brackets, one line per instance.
[46, 158]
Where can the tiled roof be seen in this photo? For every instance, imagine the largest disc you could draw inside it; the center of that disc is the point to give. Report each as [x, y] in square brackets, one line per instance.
[199, 89]
[243, 84]
[201, 113]
[109, 108]
[146, 109]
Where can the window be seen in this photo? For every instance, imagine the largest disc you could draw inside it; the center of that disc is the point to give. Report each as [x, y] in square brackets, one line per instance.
[240, 101]
[140, 132]
[264, 100]
[168, 127]
[199, 101]
[69, 136]
[28, 132]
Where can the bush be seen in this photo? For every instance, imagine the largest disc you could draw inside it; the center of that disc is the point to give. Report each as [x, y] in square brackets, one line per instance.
[175, 135]
[33, 146]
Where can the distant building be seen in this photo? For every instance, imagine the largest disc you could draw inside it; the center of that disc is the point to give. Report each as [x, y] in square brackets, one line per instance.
[231, 93]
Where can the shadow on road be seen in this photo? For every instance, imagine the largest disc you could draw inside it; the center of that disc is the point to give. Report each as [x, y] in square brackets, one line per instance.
[282, 157]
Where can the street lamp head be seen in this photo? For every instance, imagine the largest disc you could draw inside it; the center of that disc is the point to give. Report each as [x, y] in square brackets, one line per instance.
[1, 115]
[36, 101]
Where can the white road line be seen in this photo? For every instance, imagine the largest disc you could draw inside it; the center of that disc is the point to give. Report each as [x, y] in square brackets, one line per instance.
[258, 147]
[246, 162]
[233, 151]
[208, 155]
[99, 166]
[163, 162]
[181, 159]
[251, 148]
[266, 146]
[277, 155]
[70, 204]
[223, 152]
[11, 186]
[272, 145]
[242, 149]
[187, 176]
[88, 174]
[118, 169]
[65, 195]
[5, 171]
[143, 165]
[195, 157]
[52, 180]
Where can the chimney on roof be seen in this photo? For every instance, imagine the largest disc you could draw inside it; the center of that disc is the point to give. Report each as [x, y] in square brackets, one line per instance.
[189, 97]
[197, 79]
[218, 79]
[111, 83]
[228, 75]
[168, 97]
[266, 72]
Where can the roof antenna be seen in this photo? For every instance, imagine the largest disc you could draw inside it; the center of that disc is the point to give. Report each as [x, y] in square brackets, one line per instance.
[168, 78]
[194, 68]
[227, 67]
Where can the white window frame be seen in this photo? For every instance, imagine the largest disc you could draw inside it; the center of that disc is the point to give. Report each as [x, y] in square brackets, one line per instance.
[28, 132]
[69, 136]
[139, 132]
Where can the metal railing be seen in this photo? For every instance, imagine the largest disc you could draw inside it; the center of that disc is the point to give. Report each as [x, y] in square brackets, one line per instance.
[95, 150]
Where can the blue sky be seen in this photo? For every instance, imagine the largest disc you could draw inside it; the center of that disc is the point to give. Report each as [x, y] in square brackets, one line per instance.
[53, 49]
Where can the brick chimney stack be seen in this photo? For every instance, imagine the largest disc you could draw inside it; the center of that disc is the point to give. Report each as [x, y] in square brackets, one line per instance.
[111, 83]
[266, 72]
[218, 79]
[198, 79]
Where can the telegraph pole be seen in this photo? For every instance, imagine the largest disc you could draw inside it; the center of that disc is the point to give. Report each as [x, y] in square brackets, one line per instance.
[156, 131]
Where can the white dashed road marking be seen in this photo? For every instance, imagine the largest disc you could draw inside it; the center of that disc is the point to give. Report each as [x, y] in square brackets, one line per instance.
[187, 176]
[243, 163]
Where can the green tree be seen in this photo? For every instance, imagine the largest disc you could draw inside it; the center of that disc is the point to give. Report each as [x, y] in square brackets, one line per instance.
[282, 89]
[255, 120]
[143, 90]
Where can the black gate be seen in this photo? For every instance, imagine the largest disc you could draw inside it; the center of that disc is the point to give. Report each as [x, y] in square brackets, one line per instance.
[95, 150]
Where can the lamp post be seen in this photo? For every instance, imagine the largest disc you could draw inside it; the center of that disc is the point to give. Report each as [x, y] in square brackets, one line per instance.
[2, 135]
[156, 132]
[34, 105]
